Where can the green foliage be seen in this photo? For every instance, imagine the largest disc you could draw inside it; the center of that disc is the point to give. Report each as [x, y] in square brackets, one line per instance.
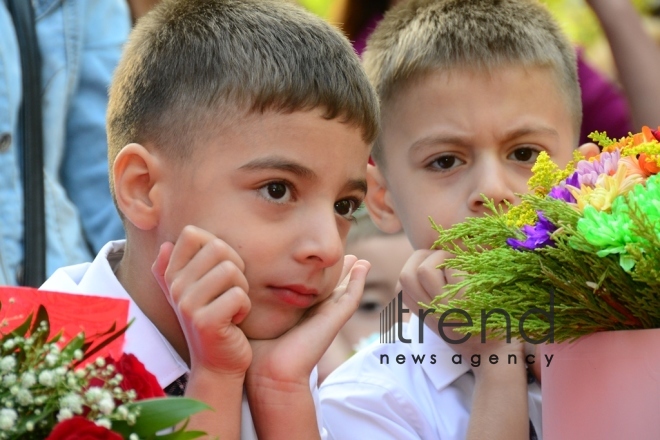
[591, 292]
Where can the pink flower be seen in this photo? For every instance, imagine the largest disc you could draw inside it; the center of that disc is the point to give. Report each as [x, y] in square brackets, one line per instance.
[606, 163]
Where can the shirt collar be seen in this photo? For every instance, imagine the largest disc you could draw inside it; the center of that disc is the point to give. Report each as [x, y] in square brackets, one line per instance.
[433, 344]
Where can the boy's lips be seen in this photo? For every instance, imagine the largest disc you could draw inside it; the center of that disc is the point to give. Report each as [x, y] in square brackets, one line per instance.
[296, 295]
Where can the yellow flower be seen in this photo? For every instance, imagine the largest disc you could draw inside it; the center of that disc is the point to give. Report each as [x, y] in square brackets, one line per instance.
[606, 190]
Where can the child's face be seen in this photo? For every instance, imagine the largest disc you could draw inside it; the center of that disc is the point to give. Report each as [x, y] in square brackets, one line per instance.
[387, 255]
[452, 136]
[280, 189]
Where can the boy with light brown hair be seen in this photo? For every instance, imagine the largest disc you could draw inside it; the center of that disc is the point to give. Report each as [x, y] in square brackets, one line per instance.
[239, 133]
[471, 92]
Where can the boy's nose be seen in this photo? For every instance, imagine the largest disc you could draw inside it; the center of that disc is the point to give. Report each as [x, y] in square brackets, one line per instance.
[494, 183]
[319, 240]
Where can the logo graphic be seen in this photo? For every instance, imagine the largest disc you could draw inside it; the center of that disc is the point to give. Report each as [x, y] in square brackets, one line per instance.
[394, 311]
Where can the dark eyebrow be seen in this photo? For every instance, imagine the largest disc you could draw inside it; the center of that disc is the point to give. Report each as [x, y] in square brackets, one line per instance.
[437, 140]
[278, 163]
[520, 132]
[356, 185]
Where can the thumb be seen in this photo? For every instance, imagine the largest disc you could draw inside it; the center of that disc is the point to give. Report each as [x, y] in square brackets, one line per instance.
[589, 150]
[160, 265]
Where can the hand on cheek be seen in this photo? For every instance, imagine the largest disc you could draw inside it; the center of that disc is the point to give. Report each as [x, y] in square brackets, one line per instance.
[422, 281]
[203, 280]
[290, 359]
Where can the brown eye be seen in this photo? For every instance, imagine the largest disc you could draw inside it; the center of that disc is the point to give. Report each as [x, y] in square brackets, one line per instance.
[276, 190]
[445, 163]
[346, 208]
[524, 155]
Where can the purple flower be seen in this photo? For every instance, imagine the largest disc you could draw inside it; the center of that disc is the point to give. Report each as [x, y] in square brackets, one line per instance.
[538, 236]
[606, 163]
[573, 180]
[562, 193]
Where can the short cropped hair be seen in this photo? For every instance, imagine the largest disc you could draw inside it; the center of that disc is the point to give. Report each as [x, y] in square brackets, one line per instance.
[189, 62]
[423, 36]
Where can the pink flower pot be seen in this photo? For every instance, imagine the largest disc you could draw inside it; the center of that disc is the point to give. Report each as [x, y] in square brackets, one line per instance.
[603, 386]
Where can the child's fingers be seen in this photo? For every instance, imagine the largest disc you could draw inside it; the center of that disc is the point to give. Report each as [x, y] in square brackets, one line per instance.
[160, 265]
[430, 277]
[589, 150]
[355, 283]
[201, 292]
[330, 316]
[349, 261]
[413, 291]
[191, 240]
[233, 305]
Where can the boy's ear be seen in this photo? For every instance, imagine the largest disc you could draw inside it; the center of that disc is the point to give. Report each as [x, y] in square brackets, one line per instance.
[135, 175]
[379, 202]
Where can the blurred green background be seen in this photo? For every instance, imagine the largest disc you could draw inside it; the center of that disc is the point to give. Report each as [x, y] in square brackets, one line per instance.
[575, 16]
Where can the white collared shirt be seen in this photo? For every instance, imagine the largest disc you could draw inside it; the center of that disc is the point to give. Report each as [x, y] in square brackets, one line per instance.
[367, 399]
[143, 338]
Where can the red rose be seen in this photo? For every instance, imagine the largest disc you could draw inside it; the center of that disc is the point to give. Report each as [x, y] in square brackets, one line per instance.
[79, 428]
[136, 377]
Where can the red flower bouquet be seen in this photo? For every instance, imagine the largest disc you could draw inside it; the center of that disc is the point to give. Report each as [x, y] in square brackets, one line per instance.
[56, 389]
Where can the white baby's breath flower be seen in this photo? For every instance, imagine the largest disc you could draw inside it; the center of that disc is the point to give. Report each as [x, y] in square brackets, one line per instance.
[72, 402]
[122, 412]
[94, 394]
[78, 354]
[105, 423]
[106, 405]
[29, 426]
[7, 364]
[71, 380]
[100, 362]
[47, 378]
[9, 379]
[28, 379]
[64, 414]
[7, 419]
[51, 359]
[24, 397]
[9, 344]
[133, 437]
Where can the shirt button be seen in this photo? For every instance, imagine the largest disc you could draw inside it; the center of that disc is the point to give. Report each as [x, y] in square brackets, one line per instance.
[5, 142]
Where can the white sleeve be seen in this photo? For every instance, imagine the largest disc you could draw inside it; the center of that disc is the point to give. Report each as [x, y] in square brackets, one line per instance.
[313, 384]
[358, 410]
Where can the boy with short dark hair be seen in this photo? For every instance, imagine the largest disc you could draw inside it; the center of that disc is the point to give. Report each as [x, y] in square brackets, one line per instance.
[471, 92]
[239, 134]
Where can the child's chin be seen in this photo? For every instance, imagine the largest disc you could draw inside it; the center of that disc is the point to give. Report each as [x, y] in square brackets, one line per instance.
[264, 330]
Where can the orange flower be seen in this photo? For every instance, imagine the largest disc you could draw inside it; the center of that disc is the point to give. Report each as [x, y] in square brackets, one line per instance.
[648, 164]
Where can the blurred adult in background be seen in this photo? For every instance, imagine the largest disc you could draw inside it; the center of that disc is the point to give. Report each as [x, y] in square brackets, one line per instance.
[79, 43]
[636, 57]
[606, 107]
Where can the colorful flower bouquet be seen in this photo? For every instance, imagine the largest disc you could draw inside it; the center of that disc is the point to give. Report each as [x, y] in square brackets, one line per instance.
[55, 389]
[589, 235]
[583, 248]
